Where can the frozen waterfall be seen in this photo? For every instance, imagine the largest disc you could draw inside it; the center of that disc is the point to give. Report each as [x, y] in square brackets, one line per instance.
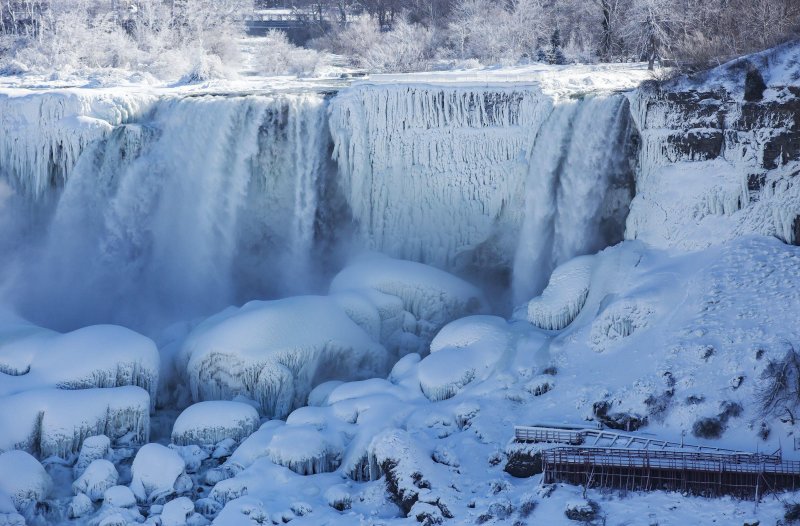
[205, 201]
[143, 209]
[467, 177]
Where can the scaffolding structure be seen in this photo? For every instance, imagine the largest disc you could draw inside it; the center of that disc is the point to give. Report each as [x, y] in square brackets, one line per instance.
[747, 476]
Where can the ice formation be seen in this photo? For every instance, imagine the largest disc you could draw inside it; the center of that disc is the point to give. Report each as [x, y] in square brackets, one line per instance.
[266, 352]
[157, 472]
[305, 450]
[92, 448]
[714, 167]
[23, 480]
[42, 135]
[98, 476]
[55, 421]
[58, 389]
[208, 423]
[433, 172]
[464, 351]
[564, 296]
[151, 216]
[431, 296]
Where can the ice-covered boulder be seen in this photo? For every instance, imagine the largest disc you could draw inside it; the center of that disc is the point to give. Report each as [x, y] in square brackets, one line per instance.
[176, 512]
[55, 421]
[97, 356]
[208, 423]
[275, 352]
[156, 473]
[464, 351]
[93, 448]
[564, 296]
[119, 497]
[23, 480]
[305, 449]
[79, 506]
[432, 296]
[57, 389]
[96, 479]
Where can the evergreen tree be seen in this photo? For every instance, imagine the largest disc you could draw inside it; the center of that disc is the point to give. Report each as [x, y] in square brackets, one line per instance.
[556, 53]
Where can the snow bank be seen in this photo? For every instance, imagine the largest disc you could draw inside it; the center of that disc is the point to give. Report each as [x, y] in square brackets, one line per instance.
[157, 472]
[433, 297]
[564, 296]
[266, 352]
[23, 480]
[208, 423]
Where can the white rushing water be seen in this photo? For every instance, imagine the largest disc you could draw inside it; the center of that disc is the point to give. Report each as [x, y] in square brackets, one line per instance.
[173, 207]
[173, 216]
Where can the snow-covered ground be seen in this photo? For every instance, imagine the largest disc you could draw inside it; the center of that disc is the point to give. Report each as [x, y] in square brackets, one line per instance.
[387, 392]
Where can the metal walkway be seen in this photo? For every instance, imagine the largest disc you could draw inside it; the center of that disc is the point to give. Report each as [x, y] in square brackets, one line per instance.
[601, 438]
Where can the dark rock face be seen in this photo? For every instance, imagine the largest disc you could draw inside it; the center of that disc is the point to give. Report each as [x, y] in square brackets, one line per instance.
[620, 421]
[523, 465]
[754, 85]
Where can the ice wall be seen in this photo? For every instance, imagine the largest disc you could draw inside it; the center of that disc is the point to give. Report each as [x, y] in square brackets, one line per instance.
[200, 203]
[431, 173]
[41, 137]
[146, 209]
[468, 177]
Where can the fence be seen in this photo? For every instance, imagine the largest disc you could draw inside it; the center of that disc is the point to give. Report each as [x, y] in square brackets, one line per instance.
[709, 474]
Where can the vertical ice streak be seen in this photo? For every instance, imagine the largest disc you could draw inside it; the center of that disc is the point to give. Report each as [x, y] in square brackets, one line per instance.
[578, 188]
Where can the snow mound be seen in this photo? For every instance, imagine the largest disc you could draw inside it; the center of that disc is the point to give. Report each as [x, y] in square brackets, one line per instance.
[305, 450]
[208, 423]
[618, 321]
[23, 480]
[96, 479]
[564, 296]
[97, 356]
[157, 472]
[119, 497]
[93, 448]
[464, 351]
[56, 422]
[432, 296]
[176, 512]
[266, 352]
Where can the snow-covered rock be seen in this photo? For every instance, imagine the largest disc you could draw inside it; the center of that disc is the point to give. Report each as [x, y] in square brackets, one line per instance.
[99, 476]
[464, 351]
[564, 296]
[208, 423]
[176, 512]
[433, 297]
[23, 480]
[156, 473]
[92, 448]
[119, 497]
[79, 506]
[56, 421]
[306, 450]
[266, 352]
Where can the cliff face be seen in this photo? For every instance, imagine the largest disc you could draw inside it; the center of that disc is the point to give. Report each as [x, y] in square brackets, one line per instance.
[713, 166]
